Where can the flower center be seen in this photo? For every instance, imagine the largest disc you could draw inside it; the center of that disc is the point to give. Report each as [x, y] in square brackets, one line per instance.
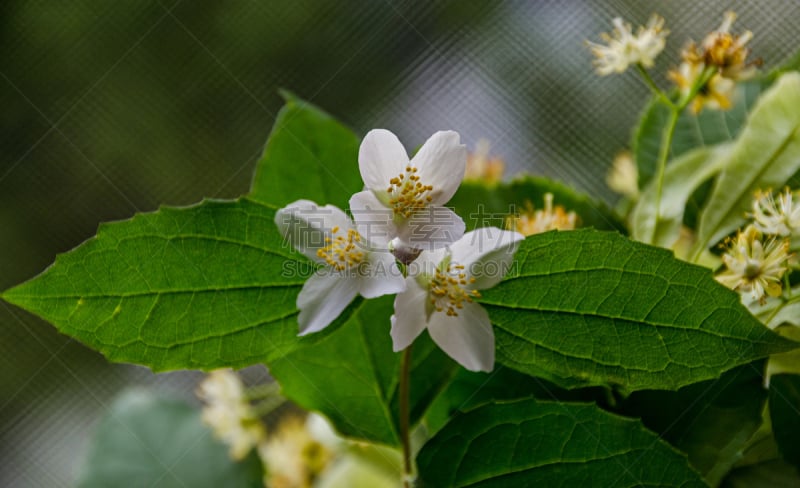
[447, 292]
[342, 250]
[407, 194]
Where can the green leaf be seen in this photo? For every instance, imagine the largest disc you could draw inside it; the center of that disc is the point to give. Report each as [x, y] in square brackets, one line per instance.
[692, 131]
[681, 178]
[203, 287]
[711, 421]
[766, 155]
[594, 308]
[482, 205]
[769, 474]
[148, 440]
[532, 443]
[784, 410]
[352, 375]
[309, 155]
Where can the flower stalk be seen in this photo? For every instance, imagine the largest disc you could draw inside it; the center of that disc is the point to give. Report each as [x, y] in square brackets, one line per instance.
[405, 421]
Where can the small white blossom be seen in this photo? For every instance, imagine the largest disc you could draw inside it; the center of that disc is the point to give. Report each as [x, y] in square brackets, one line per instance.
[753, 266]
[404, 198]
[442, 286]
[623, 48]
[716, 94]
[777, 217]
[623, 177]
[229, 414]
[550, 217]
[352, 265]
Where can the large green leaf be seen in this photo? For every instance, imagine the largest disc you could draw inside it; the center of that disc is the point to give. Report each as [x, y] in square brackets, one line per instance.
[766, 155]
[309, 155]
[784, 410]
[533, 443]
[352, 375]
[681, 178]
[711, 421]
[199, 287]
[594, 308]
[483, 205]
[148, 440]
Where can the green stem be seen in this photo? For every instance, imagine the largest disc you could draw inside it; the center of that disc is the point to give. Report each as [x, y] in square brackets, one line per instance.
[405, 434]
[663, 155]
[648, 80]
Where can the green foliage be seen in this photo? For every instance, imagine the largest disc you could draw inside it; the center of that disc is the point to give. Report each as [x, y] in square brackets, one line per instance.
[533, 443]
[710, 421]
[482, 205]
[309, 155]
[594, 308]
[147, 440]
[352, 375]
[765, 155]
[784, 409]
[199, 287]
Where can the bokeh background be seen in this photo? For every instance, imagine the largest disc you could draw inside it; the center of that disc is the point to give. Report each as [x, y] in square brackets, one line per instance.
[111, 108]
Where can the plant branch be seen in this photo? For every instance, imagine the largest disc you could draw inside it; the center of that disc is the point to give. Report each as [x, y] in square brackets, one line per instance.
[405, 435]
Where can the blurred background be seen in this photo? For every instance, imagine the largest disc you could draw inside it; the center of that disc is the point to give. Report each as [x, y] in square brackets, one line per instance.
[112, 108]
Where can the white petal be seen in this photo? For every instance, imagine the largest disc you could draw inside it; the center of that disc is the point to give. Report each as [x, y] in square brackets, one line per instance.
[430, 228]
[323, 298]
[381, 157]
[304, 225]
[373, 220]
[380, 276]
[441, 161]
[426, 263]
[467, 338]
[409, 319]
[486, 254]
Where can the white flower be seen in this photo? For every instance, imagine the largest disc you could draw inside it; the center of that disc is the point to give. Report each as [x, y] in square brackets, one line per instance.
[229, 414]
[533, 221]
[404, 198]
[293, 456]
[351, 264]
[624, 49]
[715, 94]
[623, 177]
[442, 286]
[781, 217]
[754, 266]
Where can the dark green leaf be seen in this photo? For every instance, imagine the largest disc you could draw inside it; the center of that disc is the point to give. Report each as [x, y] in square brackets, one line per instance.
[711, 421]
[532, 443]
[150, 441]
[489, 205]
[199, 287]
[352, 375]
[309, 155]
[769, 474]
[784, 409]
[594, 308]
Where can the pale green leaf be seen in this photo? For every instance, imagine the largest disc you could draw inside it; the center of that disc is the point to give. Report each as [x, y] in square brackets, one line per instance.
[533, 443]
[146, 440]
[199, 287]
[766, 155]
[594, 308]
[681, 178]
[309, 155]
[352, 375]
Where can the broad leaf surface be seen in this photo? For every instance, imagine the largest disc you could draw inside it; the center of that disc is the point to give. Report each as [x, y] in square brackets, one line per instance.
[533, 443]
[309, 155]
[203, 287]
[352, 375]
[710, 421]
[147, 440]
[766, 155]
[483, 205]
[594, 308]
[784, 410]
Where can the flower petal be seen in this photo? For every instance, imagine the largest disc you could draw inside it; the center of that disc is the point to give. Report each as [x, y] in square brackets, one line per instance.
[430, 228]
[468, 338]
[486, 254]
[441, 161]
[323, 297]
[380, 276]
[381, 157]
[304, 225]
[373, 220]
[409, 323]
